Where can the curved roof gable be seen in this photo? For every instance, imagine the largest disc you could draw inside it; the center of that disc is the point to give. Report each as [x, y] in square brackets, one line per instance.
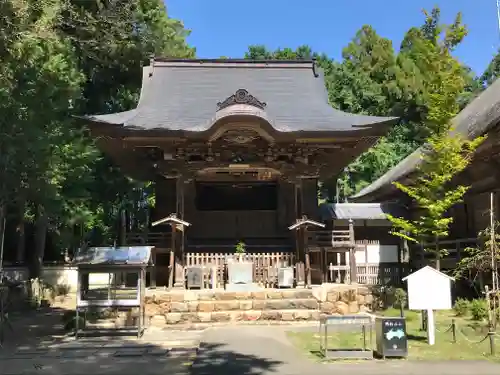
[191, 95]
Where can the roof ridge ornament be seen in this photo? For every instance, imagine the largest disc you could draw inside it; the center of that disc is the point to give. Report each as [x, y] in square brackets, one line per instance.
[241, 96]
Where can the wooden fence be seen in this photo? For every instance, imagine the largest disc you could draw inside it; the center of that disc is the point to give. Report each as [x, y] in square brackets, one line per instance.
[264, 270]
[381, 273]
[266, 264]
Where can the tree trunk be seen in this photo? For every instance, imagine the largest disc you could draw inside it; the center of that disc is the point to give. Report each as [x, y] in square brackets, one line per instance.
[21, 236]
[41, 224]
[128, 220]
[438, 255]
[2, 232]
[122, 231]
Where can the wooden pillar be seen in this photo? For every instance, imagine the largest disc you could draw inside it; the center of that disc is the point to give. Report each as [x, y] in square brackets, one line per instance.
[403, 257]
[179, 236]
[300, 266]
[305, 235]
[152, 270]
[172, 264]
[352, 254]
[298, 215]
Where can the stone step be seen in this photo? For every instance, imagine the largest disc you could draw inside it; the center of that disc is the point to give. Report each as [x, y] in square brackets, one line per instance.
[159, 296]
[234, 305]
[285, 315]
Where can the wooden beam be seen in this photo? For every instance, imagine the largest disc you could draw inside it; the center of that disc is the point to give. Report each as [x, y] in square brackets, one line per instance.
[180, 236]
[352, 254]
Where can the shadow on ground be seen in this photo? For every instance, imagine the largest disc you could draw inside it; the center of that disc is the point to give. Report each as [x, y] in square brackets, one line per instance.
[217, 360]
[40, 345]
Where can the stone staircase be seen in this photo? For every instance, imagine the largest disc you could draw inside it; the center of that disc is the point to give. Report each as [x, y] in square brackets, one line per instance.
[268, 305]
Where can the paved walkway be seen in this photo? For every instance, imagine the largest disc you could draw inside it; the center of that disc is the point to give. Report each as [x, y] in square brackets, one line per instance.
[261, 350]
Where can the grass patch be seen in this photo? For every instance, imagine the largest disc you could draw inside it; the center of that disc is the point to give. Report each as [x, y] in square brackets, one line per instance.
[466, 347]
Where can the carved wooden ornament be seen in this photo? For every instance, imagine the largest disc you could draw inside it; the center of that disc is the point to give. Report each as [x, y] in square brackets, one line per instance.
[241, 96]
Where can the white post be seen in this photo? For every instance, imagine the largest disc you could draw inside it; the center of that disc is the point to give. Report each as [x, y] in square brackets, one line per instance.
[431, 329]
[214, 277]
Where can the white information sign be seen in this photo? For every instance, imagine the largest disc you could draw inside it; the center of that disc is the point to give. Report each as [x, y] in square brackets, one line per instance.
[429, 290]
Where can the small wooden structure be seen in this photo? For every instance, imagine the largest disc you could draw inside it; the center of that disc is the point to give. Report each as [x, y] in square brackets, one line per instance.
[116, 295]
[301, 226]
[341, 323]
[175, 264]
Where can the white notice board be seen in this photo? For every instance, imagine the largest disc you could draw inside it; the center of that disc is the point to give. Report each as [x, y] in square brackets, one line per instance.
[429, 289]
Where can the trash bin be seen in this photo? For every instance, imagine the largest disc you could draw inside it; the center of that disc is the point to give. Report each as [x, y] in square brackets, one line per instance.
[391, 340]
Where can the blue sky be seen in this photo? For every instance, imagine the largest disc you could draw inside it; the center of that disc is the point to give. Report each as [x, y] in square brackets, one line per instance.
[227, 27]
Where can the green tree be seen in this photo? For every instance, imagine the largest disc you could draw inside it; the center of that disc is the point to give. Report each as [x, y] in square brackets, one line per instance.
[112, 40]
[365, 82]
[444, 156]
[41, 80]
[63, 57]
[398, 85]
[491, 73]
[479, 258]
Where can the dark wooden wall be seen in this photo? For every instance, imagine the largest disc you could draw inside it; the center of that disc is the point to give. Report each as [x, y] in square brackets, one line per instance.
[310, 198]
[165, 197]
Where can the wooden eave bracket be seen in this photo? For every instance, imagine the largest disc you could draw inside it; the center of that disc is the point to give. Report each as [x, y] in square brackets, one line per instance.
[305, 222]
[171, 219]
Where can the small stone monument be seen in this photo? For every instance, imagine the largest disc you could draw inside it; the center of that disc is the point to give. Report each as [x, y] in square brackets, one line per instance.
[194, 277]
[240, 277]
[285, 277]
[240, 272]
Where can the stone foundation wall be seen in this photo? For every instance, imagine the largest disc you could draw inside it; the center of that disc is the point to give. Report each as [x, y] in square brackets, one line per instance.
[343, 300]
[290, 305]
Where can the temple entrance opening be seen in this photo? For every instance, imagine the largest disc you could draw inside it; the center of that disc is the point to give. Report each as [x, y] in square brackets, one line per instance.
[228, 208]
[236, 196]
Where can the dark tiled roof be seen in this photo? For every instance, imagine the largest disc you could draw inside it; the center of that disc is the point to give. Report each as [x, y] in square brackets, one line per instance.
[482, 114]
[183, 95]
[359, 211]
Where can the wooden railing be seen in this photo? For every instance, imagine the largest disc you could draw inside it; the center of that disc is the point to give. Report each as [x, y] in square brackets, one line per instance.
[264, 265]
[381, 274]
[158, 239]
[454, 248]
[368, 273]
[329, 238]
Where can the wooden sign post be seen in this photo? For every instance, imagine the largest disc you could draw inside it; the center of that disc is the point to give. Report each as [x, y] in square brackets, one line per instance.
[177, 225]
[301, 226]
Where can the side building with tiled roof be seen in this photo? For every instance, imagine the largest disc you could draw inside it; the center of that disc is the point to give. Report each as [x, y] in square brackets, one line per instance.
[480, 117]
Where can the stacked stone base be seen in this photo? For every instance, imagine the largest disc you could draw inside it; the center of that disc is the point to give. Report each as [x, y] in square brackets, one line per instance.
[272, 305]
